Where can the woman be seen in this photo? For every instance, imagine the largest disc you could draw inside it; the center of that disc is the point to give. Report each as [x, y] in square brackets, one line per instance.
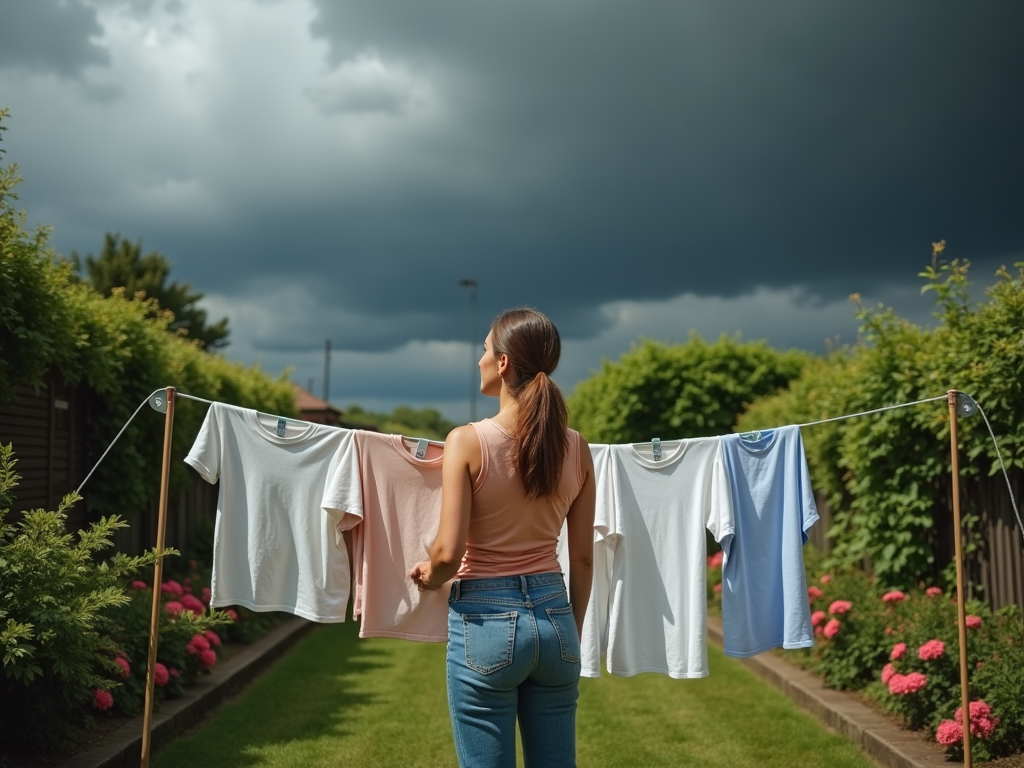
[508, 484]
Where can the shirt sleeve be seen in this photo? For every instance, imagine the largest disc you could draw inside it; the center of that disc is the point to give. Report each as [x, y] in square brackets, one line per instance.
[721, 516]
[343, 495]
[204, 456]
[808, 505]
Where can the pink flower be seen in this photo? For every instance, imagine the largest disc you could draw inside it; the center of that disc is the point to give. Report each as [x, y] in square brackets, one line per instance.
[717, 588]
[208, 657]
[897, 651]
[831, 629]
[174, 608]
[890, 631]
[826, 578]
[839, 607]
[818, 631]
[903, 685]
[139, 585]
[887, 672]
[122, 662]
[172, 588]
[212, 637]
[102, 700]
[197, 644]
[232, 614]
[173, 672]
[935, 592]
[160, 674]
[814, 593]
[982, 722]
[949, 733]
[933, 649]
[192, 603]
[972, 621]
[817, 617]
[205, 594]
[977, 709]
[715, 560]
[893, 597]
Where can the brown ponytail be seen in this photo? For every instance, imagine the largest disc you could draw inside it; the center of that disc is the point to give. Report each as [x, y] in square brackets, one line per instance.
[533, 346]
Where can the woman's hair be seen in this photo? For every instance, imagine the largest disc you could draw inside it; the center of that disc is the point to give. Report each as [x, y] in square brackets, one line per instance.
[533, 346]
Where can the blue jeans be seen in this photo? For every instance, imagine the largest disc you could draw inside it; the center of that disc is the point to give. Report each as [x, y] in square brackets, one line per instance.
[513, 650]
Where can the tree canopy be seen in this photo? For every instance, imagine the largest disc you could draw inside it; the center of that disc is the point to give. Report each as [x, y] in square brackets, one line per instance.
[694, 389]
[121, 264]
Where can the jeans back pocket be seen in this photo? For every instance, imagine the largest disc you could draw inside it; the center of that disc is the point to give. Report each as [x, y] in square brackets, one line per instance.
[565, 627]
[490, 639]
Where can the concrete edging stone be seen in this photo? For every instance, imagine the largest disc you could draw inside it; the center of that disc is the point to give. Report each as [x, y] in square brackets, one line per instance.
[878, 736]
[123, 747]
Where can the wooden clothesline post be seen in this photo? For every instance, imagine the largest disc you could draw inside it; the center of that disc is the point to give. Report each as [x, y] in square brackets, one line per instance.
[965, 698]
[154, 620]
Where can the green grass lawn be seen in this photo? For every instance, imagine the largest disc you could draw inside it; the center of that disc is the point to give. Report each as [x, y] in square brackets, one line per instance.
[336, 700]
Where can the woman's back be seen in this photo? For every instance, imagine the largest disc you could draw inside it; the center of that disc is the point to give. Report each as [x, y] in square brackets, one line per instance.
[510, 533]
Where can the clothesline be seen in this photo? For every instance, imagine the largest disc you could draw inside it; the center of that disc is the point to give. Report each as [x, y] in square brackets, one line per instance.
[157, 400]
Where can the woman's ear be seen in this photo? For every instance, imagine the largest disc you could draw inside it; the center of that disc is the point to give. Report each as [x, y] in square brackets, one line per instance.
[503, 365]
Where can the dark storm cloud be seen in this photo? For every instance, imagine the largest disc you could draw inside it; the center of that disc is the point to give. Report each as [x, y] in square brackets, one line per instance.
[725, 147]
[566, 155]
[50, 36]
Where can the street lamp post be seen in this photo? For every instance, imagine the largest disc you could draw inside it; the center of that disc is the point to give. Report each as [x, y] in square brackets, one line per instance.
[471, 284]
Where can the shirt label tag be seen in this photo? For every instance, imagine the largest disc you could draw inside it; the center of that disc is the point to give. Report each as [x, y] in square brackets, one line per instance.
[656, 448]
[421, 448]
[281, 424]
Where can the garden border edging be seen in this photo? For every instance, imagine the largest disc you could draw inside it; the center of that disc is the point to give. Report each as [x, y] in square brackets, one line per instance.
[878, 736]
[123, 747]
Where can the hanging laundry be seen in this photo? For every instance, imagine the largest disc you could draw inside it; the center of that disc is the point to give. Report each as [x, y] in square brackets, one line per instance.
[274, 549]
[764, 587]
[651, 517]
[391, 502]
[594, 637]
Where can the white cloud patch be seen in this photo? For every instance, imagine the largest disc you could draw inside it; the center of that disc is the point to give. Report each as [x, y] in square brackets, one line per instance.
[367, 85]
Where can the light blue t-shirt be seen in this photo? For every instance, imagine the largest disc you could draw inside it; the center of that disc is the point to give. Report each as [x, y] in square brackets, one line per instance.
[764, 588]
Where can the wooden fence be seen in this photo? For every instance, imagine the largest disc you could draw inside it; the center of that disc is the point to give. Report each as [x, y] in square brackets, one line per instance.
[994, 562]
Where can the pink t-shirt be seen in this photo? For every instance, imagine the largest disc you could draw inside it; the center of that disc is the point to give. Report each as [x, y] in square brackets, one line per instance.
[510, 535]
[392, 530]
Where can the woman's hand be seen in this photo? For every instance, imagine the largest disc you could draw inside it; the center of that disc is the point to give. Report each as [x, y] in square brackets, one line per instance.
[421, 573]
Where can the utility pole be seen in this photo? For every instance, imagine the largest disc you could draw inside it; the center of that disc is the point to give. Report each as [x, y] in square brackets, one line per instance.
[471, 284]
[327, 370]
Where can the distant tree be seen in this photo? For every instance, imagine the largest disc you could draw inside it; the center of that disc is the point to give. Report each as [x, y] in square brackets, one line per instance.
[122, 265]
[404, 420]
[694, 389]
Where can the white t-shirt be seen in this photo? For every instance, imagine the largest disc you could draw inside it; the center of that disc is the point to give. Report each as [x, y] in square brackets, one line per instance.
[394, 520]
[653, 515]
[274, 548]
[594, 637]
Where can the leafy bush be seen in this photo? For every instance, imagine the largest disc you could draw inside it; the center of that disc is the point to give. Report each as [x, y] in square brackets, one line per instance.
[902, 649]
[73, 639]
[885, 475]
[684, 390]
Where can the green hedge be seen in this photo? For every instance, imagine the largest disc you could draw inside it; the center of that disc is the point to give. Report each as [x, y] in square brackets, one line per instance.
[694, 389]
[884, 474]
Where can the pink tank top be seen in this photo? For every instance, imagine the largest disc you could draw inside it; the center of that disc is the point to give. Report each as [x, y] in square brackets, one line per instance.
[510, 535]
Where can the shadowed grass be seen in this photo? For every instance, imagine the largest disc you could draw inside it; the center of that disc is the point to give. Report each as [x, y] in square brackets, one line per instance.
[336, 700]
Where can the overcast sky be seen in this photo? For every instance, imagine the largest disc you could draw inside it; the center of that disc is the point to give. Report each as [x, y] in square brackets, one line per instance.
[331, 169]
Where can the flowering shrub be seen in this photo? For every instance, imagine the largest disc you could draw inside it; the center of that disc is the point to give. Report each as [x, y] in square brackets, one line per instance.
[74, 628]
[901, 648]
